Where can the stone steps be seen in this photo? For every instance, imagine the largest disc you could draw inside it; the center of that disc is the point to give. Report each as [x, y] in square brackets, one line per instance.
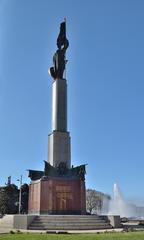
[68, 228]
[69, 217]
[69, 222]
[45, 221]
[65, 221]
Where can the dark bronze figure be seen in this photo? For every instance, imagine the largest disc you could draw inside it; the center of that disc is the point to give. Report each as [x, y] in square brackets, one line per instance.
[59, 58]
[35, 175]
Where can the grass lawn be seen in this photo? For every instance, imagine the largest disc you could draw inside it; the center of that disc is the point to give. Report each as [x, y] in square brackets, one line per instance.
[90, 236]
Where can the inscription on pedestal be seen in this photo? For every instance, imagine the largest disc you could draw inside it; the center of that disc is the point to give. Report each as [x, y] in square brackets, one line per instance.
[64, 197]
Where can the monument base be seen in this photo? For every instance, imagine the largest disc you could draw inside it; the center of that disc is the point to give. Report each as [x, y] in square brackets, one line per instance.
[57, 195]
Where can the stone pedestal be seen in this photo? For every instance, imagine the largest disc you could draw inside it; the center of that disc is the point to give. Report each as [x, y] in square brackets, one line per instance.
[59, 148]
[57, 196]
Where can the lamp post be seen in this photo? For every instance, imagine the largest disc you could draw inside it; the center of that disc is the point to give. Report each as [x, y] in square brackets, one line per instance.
[20, 181]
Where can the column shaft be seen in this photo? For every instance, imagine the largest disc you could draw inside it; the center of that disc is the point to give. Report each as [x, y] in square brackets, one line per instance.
[59, 105]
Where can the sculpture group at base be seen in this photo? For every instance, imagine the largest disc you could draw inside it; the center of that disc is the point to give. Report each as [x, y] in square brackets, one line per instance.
[61, 171]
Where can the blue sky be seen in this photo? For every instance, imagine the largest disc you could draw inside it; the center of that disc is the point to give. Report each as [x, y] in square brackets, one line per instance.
[105, 74]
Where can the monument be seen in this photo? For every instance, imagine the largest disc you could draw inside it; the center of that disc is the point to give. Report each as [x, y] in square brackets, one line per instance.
[60, 188]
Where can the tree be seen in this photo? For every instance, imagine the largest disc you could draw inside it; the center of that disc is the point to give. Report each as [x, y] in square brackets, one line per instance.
[9, 199]
[3, 202]
[94, 200]
[24, 199]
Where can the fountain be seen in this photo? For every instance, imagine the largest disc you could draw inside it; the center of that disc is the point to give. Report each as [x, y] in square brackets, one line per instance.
[119, 206]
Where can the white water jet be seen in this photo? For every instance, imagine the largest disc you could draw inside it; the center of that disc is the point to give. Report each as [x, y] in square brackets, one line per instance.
[119, 206]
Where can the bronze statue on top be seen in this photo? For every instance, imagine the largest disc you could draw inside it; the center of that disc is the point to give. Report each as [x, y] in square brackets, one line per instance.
[59, 60]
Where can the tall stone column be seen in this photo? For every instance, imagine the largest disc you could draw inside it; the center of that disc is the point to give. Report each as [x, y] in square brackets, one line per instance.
[60, 188]
[59, 105]
[59, 140]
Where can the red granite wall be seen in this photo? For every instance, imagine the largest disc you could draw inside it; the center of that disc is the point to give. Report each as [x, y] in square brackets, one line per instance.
[58, 196]
[34, 197]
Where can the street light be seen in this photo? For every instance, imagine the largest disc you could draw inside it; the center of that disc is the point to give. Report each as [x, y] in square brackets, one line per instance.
[20, 181]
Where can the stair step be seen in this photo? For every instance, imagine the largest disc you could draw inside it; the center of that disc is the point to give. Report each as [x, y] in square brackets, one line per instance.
[68, 219]
[69, 222]
[93, 227]
[72, 221]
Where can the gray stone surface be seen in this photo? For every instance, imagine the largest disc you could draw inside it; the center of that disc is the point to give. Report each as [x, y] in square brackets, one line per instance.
[15, 222]
[7, 222]
[22, 221]
[59, 148]
[115, 221]
[81, 222]
[59, 105]
[69, 222]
